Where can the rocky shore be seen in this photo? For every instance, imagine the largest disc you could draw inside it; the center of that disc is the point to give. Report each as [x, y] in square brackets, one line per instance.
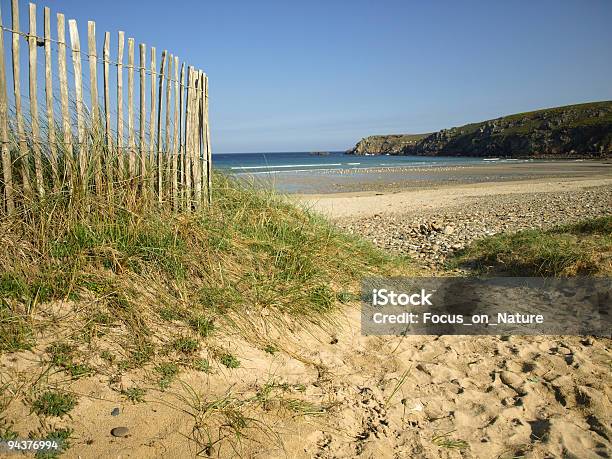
[432, 235]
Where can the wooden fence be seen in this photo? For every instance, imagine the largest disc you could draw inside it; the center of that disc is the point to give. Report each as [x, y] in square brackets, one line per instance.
[79, 144]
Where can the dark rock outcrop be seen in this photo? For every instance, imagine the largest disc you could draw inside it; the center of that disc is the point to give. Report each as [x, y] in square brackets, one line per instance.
[573, 131]
[382, 144]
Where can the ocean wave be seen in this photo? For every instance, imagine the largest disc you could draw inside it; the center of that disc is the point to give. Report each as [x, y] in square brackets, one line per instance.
[336, 169]
[285, 166]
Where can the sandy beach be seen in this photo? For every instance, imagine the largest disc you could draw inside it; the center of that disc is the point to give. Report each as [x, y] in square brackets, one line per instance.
[333, 393]
[505, 396]
[432, 222]
[369, 203]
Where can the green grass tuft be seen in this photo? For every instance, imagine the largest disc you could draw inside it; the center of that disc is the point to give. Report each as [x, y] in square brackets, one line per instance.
[229, 361]
[168, 372]
[584, 248]
[201, 325]
[202, 365]
[61, 354]
[16, 333]
[62, 437]
[54, 403]
[12, 286]
[134, 394]
[270, 349]
[185, 345]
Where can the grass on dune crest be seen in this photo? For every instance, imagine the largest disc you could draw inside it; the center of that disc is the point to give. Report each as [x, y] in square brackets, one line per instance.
[139, 270]
[133, 297]
[584, 248]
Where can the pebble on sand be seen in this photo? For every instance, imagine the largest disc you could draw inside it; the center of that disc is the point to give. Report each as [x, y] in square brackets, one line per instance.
[119, 432]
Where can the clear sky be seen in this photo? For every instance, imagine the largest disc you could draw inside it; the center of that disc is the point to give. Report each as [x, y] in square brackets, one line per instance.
[319, 75]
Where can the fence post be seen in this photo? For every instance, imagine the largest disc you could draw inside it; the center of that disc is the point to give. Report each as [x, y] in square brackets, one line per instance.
[78, 84]
[175, 147]
[197, 157]
[107, 116]
[187, 140]
[95, 106]
[152, 113]
[167, 148]
[131, 138]
[7, 174]
[143, 100]
[32, 55]
[183, 160]
[23, 153]
[93, 71]
[208, 148]
[63, 81]
[160, 158]
[202, 136]
[49, 100]
[120, 153]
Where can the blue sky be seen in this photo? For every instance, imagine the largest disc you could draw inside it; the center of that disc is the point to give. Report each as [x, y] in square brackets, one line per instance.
[319, 75]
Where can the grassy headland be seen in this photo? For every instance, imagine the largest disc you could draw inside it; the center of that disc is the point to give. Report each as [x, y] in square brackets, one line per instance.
[571, 131]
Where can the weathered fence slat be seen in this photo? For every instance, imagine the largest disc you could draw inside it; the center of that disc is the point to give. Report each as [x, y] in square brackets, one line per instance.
[78, 84]
[152, 112]
[208, 148]
[131, 135]
[34, 120]
[108, 160]
[7, 173]
[167, 148]
[95, 106]
[23, 153]
[160, 159]
[183, 159]
[197, 159]
[49, 100]
[120, 152]
[68, 156]
[143, 102]
[93, 72]
[204, 160]
[175, 147]
[168, 77]
[187, 140]
[107, 106]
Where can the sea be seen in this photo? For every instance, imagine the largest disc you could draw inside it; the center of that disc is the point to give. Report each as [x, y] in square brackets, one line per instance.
[336, 171]
[267, 163]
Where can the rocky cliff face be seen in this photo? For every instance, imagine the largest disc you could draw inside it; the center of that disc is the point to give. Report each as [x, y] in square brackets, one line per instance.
[382, 144]
[583, 130]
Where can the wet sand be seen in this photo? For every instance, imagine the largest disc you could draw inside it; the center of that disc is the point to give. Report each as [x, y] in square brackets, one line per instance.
[409, 178]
